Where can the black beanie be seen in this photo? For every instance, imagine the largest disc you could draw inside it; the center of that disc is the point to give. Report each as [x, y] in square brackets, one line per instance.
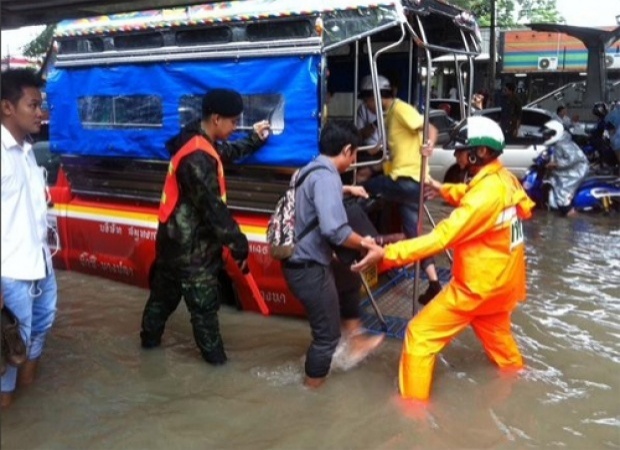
[225, 102]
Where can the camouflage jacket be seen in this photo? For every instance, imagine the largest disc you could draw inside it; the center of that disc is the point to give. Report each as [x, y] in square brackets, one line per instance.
[189, 245]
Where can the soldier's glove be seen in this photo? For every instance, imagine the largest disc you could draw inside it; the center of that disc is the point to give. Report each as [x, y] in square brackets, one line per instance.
[239, 251]
[239, 254]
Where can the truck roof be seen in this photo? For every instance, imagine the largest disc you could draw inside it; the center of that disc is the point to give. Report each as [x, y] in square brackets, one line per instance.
[210, 13]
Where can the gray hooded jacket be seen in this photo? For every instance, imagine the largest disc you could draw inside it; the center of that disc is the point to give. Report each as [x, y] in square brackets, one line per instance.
[572, 167]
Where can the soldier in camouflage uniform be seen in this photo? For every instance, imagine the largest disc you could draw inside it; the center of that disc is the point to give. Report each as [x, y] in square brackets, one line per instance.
[191, 237]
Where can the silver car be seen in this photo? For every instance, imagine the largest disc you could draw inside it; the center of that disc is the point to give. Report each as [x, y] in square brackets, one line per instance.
[519, 151]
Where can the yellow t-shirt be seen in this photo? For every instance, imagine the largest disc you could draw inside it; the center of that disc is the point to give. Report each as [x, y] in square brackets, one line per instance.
[404, 132]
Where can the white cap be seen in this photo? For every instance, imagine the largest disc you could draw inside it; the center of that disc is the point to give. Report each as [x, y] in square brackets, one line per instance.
[366, 84]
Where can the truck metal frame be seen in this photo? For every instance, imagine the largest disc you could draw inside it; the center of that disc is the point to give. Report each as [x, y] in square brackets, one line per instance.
[121, 85]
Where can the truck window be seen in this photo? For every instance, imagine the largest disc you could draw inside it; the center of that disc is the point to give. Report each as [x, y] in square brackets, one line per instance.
[136, 41]
[266, 31]
[81, 45]
[255, 108]
[130, 111]
[213, 35]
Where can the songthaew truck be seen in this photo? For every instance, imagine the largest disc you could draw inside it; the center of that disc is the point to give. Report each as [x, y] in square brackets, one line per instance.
[121, 85]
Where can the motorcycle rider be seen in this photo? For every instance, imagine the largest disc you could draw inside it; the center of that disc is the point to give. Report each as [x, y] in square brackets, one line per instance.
[599, 137]
[567, 168]
[600, 111]
[612, 123]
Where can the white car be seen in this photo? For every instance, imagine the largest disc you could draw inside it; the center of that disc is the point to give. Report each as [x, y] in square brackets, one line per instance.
[519, 151]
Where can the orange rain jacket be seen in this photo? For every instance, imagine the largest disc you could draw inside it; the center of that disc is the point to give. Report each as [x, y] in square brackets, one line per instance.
[486, 234]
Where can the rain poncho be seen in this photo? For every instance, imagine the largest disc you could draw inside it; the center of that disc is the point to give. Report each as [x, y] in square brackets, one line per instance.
[572, 167]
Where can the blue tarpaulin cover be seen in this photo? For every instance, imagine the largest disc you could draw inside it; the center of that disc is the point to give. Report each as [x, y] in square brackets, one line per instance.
[295, 78]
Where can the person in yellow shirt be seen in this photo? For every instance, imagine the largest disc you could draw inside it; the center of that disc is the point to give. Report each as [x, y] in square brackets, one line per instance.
[488, 278]
[400, 182]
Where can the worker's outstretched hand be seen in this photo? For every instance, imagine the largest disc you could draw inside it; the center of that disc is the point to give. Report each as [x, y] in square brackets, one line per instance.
[374, 254]
[431, 188]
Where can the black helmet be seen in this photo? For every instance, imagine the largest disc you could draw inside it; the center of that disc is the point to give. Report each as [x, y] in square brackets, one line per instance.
[600, 109]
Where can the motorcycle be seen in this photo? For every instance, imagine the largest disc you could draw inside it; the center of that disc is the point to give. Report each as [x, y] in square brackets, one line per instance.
[595, 192]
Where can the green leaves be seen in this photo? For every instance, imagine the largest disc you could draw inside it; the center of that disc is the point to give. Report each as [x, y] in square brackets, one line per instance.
[512, 12]
[39, 46]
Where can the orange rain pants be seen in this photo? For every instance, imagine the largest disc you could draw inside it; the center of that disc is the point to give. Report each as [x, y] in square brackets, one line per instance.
[488, 279]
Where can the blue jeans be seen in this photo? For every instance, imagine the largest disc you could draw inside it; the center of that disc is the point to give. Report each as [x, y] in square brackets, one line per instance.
[34, 305]
[405, 192]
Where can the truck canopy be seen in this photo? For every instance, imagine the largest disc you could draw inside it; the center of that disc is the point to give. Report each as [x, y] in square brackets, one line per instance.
[165, 60]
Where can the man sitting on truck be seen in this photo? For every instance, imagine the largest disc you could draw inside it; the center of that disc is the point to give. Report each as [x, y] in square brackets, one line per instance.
[401, 184]
[194, 224]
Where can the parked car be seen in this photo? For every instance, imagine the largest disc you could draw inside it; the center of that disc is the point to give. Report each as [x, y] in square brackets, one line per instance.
[455, 107]
[444, 124]
[519, 153]
[532, 121]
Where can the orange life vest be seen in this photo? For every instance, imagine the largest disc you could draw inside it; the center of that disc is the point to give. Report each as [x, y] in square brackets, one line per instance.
[170, 194]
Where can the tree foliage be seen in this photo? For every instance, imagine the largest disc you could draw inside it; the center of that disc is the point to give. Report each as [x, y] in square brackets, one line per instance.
[38, 46]
[510, 13]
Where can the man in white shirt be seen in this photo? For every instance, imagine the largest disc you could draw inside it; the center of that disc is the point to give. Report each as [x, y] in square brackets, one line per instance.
[452, 93]
[562, 113]
[366, 123]
[28, 281]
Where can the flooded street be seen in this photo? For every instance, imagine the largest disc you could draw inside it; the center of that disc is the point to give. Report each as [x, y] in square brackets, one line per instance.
[98, 389]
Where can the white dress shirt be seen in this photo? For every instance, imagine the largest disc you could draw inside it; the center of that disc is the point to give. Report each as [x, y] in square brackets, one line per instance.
[366, 117]
[25, 253]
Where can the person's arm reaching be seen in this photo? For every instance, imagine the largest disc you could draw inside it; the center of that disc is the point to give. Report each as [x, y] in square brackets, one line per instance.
[232, 151]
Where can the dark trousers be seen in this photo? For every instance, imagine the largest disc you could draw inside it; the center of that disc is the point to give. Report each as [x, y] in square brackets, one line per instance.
[325, 304]
[202, 300]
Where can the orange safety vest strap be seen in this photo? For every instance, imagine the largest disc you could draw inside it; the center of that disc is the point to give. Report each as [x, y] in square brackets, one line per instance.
[170, 193]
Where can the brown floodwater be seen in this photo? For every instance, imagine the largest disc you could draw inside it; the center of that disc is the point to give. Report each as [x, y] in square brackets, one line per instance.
[98, 389]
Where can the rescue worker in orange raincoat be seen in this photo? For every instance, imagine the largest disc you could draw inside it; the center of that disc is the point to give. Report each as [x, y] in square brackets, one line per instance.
[488, 279]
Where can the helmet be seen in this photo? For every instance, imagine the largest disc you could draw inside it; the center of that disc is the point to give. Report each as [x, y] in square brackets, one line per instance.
[552, 132]
[366, 87]
[478, 131]
[600, 109]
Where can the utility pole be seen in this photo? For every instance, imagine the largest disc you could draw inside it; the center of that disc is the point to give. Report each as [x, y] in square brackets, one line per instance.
[492, 54]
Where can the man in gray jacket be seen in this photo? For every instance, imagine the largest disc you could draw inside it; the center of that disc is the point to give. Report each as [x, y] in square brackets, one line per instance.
[309, 271]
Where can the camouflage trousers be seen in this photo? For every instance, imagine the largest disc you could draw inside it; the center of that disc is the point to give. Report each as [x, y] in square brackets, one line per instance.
[202, 300]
